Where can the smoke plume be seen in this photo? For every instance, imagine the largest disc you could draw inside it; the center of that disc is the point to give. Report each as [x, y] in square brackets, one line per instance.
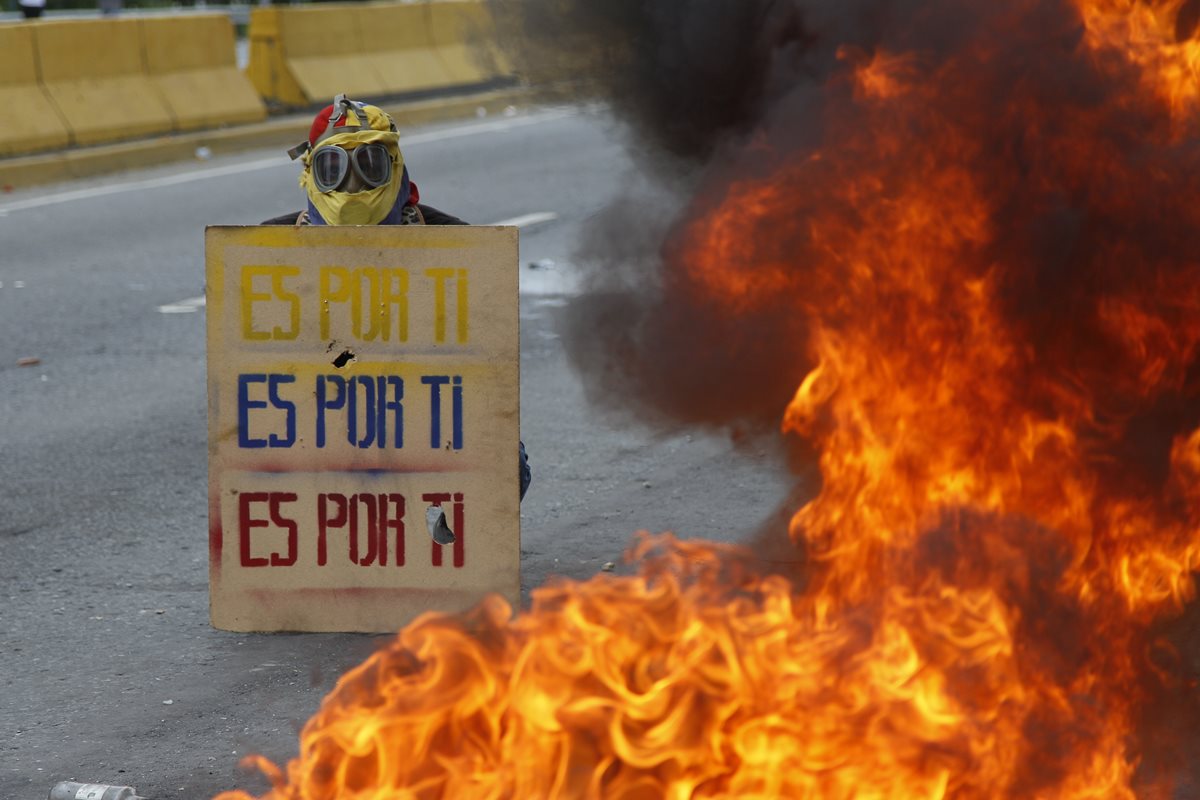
[983, 212]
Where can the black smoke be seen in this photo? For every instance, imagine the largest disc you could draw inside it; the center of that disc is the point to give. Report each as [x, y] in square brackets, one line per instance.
[1086, 173]
[716, 92]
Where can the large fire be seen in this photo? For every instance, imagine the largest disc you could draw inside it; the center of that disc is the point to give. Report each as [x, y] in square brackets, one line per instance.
[991, 253]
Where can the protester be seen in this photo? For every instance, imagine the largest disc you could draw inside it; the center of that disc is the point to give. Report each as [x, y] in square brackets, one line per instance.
[354, 174]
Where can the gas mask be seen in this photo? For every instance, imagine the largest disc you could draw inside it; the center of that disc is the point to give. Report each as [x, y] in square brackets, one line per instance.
[374, 159]
[353, 170]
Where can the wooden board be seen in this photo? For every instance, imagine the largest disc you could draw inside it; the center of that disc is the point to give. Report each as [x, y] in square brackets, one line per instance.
[357, 377]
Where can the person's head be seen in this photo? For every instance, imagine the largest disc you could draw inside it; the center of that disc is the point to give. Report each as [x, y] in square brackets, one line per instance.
[354, 173]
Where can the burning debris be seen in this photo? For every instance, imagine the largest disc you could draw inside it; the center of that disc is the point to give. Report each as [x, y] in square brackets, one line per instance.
[954, 245]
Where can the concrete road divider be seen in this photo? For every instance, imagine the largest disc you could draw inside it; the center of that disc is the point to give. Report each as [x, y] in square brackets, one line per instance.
[302, 56]
[432, 45]
[193, 63]
[92, 81]
[31, 122]
[119, 85]
[298, 55]
[94, 72]
[464, 37]
[397, 43]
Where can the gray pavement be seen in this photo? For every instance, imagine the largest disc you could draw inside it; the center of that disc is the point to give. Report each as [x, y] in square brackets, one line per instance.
[111, 672]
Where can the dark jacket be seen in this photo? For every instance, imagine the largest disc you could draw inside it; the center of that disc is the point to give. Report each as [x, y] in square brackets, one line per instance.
[432, 217]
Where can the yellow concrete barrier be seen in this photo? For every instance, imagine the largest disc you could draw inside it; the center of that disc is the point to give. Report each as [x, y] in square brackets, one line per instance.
[313, 55]
[463, 36]
[193, 63]
[396, 41]
[94, 71]
[267, 69]
[31, 122]
[304, 56]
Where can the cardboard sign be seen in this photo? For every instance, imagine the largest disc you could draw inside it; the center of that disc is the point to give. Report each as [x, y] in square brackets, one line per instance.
[363, 399]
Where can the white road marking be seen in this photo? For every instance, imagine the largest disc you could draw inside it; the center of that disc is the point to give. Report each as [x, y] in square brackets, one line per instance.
[472, 129]
[528, 220]
[193, 304]
[187, 306]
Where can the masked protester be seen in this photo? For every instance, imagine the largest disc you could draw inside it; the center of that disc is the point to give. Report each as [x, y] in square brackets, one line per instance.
[354, 174]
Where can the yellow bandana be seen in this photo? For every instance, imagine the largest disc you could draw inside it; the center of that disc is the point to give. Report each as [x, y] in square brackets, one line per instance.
[368, 207]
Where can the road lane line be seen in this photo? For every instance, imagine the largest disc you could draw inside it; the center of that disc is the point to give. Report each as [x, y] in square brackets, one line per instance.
[529, 220]
[193, 304]
[183, 306]
[472, 129]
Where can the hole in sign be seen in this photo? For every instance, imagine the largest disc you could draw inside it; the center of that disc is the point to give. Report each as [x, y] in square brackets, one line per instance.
[435, 519]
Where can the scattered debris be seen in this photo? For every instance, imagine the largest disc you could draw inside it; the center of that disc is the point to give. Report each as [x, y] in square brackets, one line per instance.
[542, 263]
[609, 566]
[28, 361]
[70, 790]
[203, 153]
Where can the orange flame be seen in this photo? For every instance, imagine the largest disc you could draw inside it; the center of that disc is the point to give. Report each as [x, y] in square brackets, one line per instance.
[987, 550]
[695, 679]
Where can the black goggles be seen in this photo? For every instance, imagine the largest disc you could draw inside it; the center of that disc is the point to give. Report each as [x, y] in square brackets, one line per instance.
[330, 164]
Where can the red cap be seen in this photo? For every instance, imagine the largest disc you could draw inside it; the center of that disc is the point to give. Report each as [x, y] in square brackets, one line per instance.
[321, 124]
[368, 117]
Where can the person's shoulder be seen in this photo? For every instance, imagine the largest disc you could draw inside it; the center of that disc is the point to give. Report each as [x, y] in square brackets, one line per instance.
[433, 216]
[286, 219]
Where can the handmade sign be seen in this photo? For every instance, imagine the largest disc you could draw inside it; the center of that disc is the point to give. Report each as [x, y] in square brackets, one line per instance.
[363, 406]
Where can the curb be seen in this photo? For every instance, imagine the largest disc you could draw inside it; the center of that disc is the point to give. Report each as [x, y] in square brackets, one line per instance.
[284, 131]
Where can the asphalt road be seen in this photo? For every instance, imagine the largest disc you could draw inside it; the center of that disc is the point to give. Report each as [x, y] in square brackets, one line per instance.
[110, 669]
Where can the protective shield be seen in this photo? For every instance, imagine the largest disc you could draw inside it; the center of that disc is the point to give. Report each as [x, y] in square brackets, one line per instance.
[362, 381]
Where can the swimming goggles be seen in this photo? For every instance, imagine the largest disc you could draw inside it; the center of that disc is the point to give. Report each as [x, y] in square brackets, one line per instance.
[331, 163]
